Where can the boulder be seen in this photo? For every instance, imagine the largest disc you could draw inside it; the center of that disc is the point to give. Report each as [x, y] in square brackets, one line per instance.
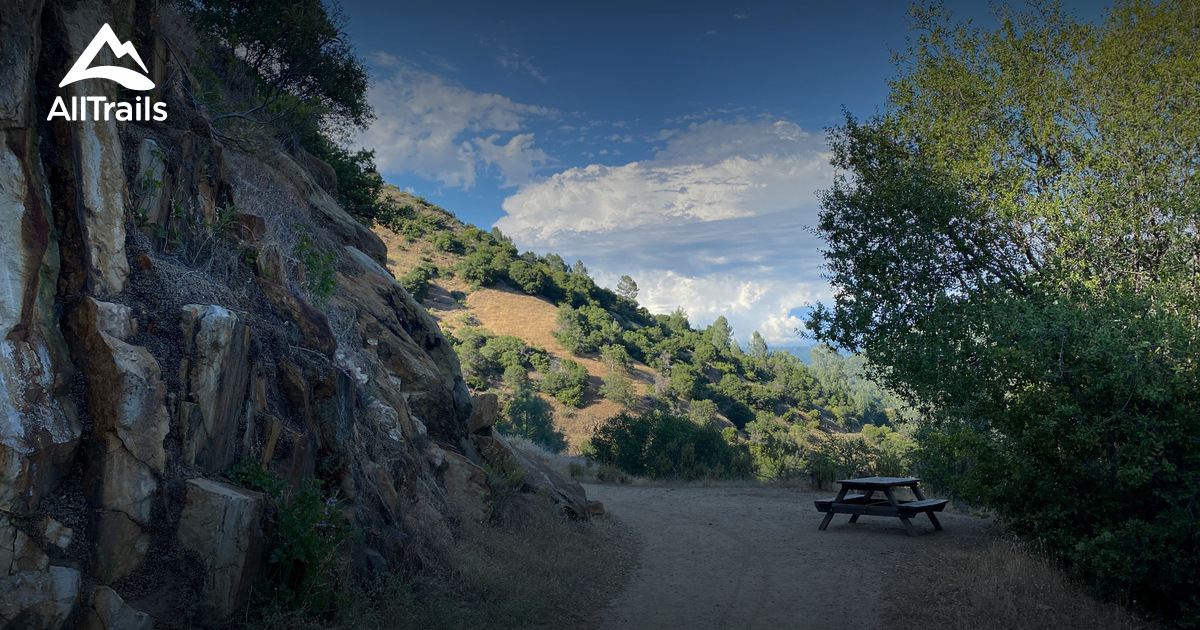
[251, 227]
[467, 486]
[221, 523]
[27, 555]
[216, 376]
[116, 480]
[484, 410]
[409, 345]
[120, 548]
[127, 398]
[109, 612]
[39, 600]
[539, 478]
[55, 533]
[39, 433]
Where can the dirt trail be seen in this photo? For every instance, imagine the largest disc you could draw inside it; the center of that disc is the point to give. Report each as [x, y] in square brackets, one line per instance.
[752, 557]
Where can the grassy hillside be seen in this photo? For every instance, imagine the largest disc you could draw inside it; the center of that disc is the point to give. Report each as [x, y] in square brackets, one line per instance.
[527, 321]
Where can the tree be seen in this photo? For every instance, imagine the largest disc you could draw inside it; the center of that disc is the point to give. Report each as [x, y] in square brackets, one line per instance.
[1012, 244]
[617, 358]
[530, 416]
[702, 412]
[627, 288]
[530, 277]
[721, 334]
[758, 346]
[298, 49]
[618, 388]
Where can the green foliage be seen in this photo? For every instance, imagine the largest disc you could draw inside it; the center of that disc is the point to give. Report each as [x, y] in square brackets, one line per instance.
[526, 414]
[530, 277]
[660, 445]
[483, 355]
[778, 452]
[627, 288]
[448, 242]
[703, 412]
[567, 383]
[617, 358]
[416, 281]
[319, 269]
[1012, 244]
[360, 186]
[307, 539]
[249, 473]
[477, 269]
[618, 388]
[303, 61]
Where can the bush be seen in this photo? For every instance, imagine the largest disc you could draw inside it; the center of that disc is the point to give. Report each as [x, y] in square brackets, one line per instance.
[529, 416]
[618, 388]
[531, 278]
[319, 268]
[306, 541]
[568, 383]
[416, 281]
[661, 445]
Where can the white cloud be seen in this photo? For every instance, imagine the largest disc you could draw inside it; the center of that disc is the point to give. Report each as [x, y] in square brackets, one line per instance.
[447, 133]
[715, 223]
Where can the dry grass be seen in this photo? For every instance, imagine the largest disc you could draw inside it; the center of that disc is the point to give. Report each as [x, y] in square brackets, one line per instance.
[505, 311]
[1002, 585]
[534, 570]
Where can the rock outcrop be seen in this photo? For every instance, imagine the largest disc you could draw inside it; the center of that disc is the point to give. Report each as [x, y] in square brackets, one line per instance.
[39, 599]
[157, 327]
[221, 523]
[216, 374]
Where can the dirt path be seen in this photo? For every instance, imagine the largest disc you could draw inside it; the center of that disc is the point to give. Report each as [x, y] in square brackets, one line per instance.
[752, 557]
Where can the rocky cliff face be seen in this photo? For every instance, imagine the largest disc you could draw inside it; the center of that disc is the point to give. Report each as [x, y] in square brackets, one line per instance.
[155, 330]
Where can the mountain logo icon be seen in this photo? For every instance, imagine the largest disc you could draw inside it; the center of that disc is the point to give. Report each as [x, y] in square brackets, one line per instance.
[126, 77]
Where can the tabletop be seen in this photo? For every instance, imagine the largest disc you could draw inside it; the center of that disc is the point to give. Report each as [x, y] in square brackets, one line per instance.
[879, 483]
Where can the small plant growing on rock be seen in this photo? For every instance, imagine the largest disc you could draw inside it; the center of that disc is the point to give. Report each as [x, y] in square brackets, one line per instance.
[319, 268]
[307, 539]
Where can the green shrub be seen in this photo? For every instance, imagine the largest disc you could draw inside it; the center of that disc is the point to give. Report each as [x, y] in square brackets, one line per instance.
[660, 445]
[319, 269]
[531, 278]
[306, 541]
[568, 383]
[618, 388]
[529, 416]
[416, 281]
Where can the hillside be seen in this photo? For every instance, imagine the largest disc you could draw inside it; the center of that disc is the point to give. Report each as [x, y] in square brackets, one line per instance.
[503, 310]
[478, 287]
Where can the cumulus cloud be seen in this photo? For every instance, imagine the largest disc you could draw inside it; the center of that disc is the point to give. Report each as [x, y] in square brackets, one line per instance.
[443, 132]
[708, 172]
[715, 222]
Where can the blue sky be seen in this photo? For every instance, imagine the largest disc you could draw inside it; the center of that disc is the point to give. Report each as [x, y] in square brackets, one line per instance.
[680, 143]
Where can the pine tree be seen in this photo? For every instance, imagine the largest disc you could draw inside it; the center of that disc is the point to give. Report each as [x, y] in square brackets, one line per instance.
[626, 287]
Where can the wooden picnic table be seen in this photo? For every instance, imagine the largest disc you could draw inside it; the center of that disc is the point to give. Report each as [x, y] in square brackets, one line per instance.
[859, 504]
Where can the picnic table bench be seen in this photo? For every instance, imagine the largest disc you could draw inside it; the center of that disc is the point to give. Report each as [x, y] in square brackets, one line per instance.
[857, 505]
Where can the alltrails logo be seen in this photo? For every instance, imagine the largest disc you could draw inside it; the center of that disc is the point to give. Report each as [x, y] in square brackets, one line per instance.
[142, 109]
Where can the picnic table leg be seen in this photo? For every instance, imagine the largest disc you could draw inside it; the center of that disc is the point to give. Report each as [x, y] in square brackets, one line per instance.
[932, 517]
[908, 526]
[829, 515]
[870, 493]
